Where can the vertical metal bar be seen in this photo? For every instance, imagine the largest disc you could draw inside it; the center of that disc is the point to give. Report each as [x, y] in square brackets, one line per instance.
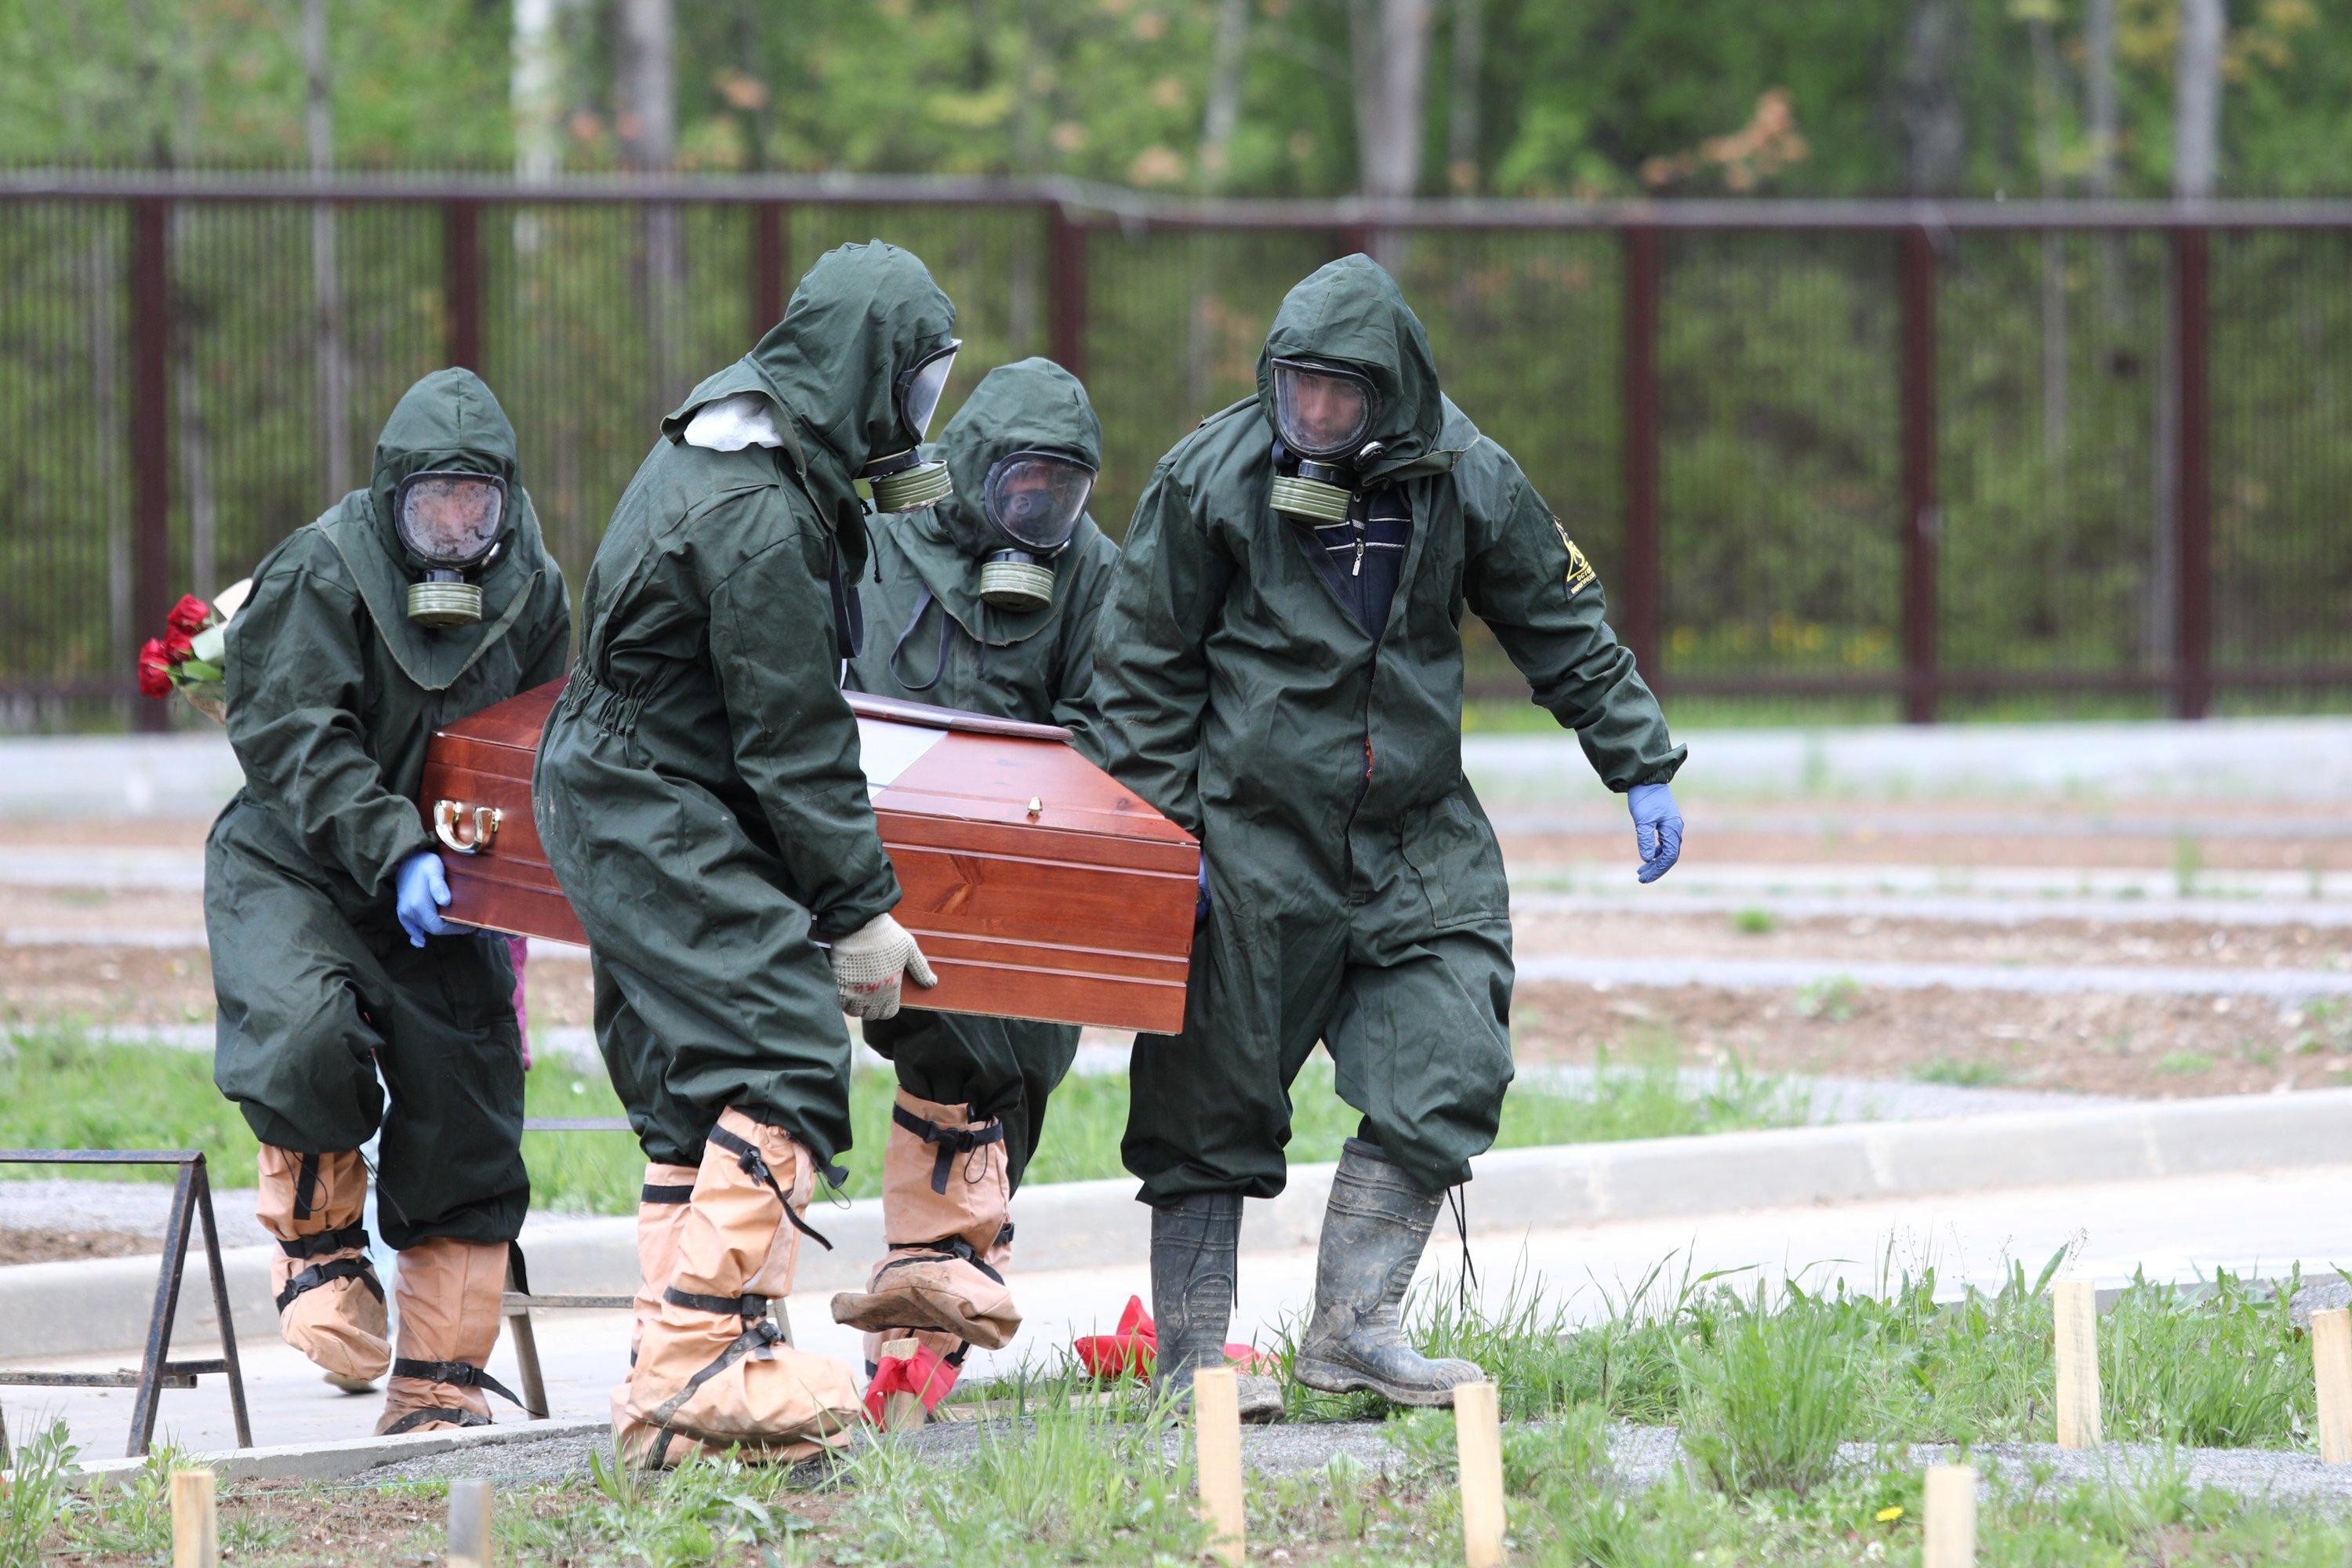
[1066, 261]
[461, 281]
[1921, 522]
[150, 430]
[769, 257]
[167, 1306]
[2192, 676]
[525, 1338]
[1644, 614]
[230, 1365]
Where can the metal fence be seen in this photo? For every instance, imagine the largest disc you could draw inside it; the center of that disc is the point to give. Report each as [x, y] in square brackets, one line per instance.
[1922, 455]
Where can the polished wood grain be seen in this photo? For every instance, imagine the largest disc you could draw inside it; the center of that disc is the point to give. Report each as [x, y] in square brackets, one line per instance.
[1037, 885]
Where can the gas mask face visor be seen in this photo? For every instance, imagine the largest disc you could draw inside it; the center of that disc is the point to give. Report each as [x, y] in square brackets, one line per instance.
[1322, 416]
[1320, 412]
[1034, 501]
[454, 523]
[904, 481]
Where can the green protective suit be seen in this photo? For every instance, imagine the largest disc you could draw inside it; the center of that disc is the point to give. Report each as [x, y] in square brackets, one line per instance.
[931, 639]
[1357, 892]
[698, 789]
[333, 694]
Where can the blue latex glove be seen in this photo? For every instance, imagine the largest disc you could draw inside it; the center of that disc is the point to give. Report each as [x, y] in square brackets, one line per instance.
[1657, 828]
[1201, 899]
[420, 888]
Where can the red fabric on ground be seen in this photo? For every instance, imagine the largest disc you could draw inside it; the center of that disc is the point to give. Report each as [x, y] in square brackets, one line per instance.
[1132, 1351]
[926, 1375]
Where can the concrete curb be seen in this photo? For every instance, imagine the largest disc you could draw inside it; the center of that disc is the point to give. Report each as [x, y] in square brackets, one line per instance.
[67, 1308]
[352, 1457]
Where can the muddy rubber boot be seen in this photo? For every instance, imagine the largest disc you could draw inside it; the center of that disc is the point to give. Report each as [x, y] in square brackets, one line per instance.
[1373, 1234]
[330, 1301]
[712, 1365]
[450, 1293]
[1195, 1241]
[945, 1191]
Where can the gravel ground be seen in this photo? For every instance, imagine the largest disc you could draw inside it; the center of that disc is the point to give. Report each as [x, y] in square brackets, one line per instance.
[1641, 1455]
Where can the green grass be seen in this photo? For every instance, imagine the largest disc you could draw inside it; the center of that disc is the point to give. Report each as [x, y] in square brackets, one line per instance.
[1083, 1483]
[62, 1090]
[1755, 922]
[1961, 1072]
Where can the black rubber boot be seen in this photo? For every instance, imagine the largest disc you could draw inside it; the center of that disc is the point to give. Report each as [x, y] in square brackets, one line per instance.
[1195, 1241]
[1373, 1234]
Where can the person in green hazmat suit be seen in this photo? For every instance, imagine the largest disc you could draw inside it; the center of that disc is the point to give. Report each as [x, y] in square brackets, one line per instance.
[1280, 671]
[699, 794]
[986, 603]
[421, 599]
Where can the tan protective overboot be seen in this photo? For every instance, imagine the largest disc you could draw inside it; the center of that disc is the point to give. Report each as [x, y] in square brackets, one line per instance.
[945, 1191]
[661, 1216]
[450, 1293]
[711, 1364]
[330, 1303]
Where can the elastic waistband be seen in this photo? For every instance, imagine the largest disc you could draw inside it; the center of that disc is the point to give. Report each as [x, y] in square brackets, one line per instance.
[589, 698]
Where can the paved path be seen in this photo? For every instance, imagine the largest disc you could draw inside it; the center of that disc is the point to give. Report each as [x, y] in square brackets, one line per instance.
[2174, 1229]
[1784, 974]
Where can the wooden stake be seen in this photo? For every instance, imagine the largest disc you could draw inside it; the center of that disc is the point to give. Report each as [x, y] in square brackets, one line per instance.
[195, 1526]
[469, 1524]
[1479, 1444]
[1951, 1516]
[1217, 1449]
[2331, 1365]
[2075, 1307]
[903, 1412]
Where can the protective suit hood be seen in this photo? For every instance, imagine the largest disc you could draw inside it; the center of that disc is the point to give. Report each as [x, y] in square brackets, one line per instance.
[860, 315]
[1029, 405]
[449, 420]
[1350, 314]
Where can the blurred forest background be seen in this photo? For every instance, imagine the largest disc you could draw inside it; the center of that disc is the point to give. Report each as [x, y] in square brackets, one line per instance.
[1314, 97]
[295, 324]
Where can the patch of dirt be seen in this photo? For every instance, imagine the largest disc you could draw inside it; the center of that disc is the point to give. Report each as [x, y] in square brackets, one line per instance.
[105, 832]
[41, 1244]
[107, 984]
[113, 984]
[1861, 939]
[1868, 846]
[2158, 1048]
[266, 1523]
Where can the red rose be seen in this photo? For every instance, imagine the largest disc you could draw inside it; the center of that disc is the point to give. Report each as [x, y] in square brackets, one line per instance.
[155, 671]
[177, 646]
[189, 614]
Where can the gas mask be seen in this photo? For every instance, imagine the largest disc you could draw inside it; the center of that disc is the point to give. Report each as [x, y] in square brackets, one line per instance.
[1033, 501]
[454, 524]
[1321, 415]
[904, 480]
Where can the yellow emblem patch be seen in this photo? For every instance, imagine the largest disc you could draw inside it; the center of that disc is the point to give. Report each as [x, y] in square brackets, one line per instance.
[1580, 570]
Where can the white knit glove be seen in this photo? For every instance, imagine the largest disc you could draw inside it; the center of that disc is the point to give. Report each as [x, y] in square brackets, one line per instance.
[867, 965]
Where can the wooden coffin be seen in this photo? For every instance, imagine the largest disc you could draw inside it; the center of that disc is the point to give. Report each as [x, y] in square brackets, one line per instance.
[1038, 886]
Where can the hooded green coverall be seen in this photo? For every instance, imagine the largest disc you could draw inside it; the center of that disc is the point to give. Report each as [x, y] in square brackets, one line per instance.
[698, 788]
[931, 639]
[333, 694]
[1357, 890]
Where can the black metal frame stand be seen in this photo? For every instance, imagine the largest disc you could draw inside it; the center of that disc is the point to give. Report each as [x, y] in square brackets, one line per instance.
[192, 1201]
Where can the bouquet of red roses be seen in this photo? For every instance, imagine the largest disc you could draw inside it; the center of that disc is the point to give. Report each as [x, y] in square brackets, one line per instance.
[191, 655]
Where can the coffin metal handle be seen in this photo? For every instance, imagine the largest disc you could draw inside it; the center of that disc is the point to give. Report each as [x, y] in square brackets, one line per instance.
[487, 818]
